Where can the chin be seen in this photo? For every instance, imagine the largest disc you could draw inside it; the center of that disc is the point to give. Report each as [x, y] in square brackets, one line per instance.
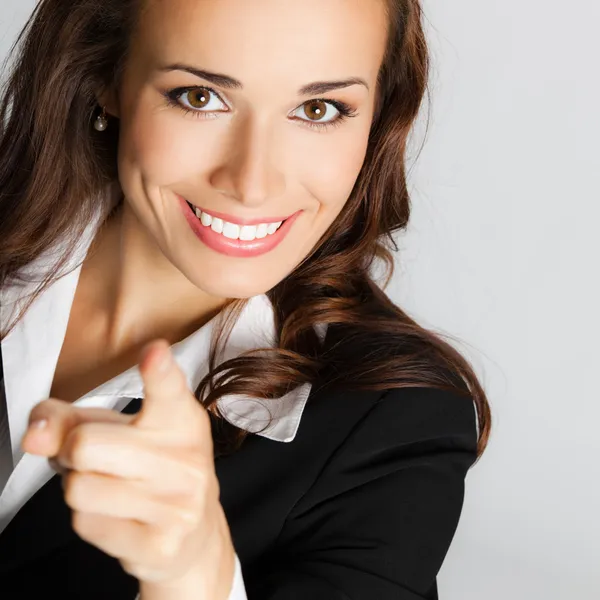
[233, 285]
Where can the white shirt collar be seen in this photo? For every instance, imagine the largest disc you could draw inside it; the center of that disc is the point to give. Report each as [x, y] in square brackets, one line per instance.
[31, 351]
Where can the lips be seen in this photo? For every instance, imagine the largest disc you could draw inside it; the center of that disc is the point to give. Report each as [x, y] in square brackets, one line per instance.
[234, 230]
[227, 237]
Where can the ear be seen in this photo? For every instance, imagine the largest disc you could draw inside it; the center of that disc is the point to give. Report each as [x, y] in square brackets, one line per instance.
[109, 98]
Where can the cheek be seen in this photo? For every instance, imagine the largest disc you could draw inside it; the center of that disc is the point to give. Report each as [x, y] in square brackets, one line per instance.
[167, 148]
[331, 173]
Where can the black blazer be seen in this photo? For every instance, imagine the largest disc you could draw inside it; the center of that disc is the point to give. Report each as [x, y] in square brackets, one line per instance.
[363, 504]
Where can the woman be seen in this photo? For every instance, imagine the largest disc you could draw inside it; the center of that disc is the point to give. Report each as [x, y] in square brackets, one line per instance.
[202, 188]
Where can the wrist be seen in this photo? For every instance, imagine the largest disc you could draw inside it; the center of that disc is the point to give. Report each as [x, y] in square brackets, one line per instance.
[210, 578]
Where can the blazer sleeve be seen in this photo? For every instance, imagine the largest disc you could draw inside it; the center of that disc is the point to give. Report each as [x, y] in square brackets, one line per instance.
[379, 519]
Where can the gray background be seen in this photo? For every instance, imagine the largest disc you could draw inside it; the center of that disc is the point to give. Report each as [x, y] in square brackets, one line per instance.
[502, 254]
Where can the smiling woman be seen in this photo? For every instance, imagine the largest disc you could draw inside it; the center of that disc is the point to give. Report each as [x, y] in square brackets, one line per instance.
[192, 196]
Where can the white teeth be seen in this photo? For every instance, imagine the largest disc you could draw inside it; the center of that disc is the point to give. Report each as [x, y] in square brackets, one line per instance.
[273, 227]
[261, 230]
[248, 232]
[233, 231]
[205, 219]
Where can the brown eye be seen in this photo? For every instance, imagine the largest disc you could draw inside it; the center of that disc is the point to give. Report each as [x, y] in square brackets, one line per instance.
[201, 100]
[320, 113]
[315, 109]
[198, 98]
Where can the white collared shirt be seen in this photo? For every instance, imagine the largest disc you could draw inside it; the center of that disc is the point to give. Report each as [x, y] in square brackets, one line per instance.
[30, 355]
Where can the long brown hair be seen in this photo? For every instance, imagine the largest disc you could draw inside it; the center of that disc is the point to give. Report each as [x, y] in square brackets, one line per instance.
[54, 170]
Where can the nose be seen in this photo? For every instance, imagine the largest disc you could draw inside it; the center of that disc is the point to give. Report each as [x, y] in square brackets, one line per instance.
[248, 172]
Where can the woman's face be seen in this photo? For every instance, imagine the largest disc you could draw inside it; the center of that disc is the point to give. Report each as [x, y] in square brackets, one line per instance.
[213, 114]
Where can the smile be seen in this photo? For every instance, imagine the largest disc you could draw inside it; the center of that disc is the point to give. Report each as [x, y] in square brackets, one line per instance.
[235, 231]
[236, 237]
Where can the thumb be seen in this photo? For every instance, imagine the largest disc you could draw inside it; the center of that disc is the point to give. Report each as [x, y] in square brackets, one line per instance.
[168, 405]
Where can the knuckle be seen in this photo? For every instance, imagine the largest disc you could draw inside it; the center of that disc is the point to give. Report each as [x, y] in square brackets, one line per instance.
[200, 474]
[184, 521]
[199, 484]
[74, 490]
[81, 525]
[76, 447]
[166, 546]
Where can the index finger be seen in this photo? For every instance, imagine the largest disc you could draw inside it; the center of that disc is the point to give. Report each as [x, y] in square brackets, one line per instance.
[50, 422]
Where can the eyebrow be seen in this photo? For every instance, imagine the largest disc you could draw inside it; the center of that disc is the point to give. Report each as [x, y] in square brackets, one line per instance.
[225, 81]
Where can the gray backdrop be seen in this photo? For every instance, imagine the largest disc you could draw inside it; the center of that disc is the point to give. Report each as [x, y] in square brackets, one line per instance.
[503, 254]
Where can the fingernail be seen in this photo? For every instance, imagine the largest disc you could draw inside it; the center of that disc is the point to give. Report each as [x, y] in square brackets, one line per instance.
[38, 424]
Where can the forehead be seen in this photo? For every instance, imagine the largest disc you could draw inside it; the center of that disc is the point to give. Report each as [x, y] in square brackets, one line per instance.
[258, 39]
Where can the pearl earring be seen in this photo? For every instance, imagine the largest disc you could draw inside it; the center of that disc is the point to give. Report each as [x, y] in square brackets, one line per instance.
[101, 122]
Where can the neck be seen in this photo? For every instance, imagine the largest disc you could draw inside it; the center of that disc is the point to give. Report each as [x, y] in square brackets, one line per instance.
[133, 292]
